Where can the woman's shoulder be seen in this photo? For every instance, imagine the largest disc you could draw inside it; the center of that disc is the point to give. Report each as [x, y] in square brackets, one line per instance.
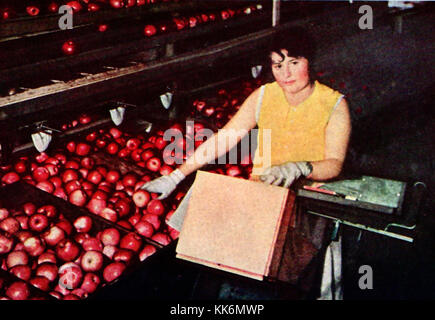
[325, 90]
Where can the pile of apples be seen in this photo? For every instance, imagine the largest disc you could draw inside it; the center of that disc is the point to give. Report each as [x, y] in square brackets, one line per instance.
[82, 120]
[68, 256]
[192, 21]
[11, 289]
[220, 106]
[74, 176]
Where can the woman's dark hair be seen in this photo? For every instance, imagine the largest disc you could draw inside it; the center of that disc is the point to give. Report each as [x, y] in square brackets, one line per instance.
[298, 43]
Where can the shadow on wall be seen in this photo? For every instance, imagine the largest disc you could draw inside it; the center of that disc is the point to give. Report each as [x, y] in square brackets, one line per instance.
[396, 142]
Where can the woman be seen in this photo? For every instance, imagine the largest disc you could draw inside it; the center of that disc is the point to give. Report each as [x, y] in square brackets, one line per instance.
[309, 123]
[309, 126]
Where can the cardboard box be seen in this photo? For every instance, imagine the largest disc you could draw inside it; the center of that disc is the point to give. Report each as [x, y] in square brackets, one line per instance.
[236, 225]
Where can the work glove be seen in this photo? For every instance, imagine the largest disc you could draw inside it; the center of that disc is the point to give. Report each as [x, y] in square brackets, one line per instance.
[165, 184]
[287, 173]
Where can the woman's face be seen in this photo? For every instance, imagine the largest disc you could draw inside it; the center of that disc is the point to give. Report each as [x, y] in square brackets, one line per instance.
[291, 73]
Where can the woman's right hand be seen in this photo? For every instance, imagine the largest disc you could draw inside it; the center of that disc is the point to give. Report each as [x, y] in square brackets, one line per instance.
[164, 184]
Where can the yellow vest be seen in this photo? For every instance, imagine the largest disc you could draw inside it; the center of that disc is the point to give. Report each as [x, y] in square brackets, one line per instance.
[297, 132]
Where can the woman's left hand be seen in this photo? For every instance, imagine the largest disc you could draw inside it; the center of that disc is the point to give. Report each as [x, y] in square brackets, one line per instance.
[287, 173]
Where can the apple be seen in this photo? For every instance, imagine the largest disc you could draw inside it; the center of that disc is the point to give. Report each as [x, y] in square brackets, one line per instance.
[47, 257]
[147, 154]
[102, 27]
[155, 207]
[72, 185]
[47, 270]
[141, 198]
[69, 47]
[161, 238]
[153, 164]
[40, 282]
[109, 251]
[78, 198]
[96, 206]
[110, 236]
[113, 176]
[67, 250]
[122, 207]
[125, 224]
[90, 282]
[92, 261]
[17, 258]
[70, 275]
[10, 225]
[124, 255]
[144, 228]
[153, 219]
[18, 290]
[54, 235]
[131, 241]
[149, 30]
[95, 177]
[29, 208]
[46, 186]
[83, 224]
[147, 251]
[117, 4]
[92, 244]
[34, 246]
[109, 214]
[65, 225]
[22, 272]
[56, 294]
[22, 235]
[38, 222]
[113, 271]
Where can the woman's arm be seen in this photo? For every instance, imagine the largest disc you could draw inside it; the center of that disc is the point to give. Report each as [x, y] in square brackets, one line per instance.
[337, 139]
[218, 145]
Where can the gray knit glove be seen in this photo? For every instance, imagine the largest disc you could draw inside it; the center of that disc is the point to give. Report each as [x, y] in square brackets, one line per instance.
[164, 184]
[287, 173]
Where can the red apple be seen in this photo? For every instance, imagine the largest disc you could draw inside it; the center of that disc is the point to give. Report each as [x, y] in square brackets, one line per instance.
[40, 282]
[22, 272]
[53, 236]
[149, 30]
[78, 198]
[6, 243]
[70, 275]
[144, 228]
[69, 47]
[18, 290]
[109, 251]
[113, 271]
[90, 282]
[92, 261]
[109, 214]
[17, 258]
[161, 238]
[155, 207]
[141, 198]
[153, 219]
[83, 149]
[47, 270]
[38, 222]
[10, 225]
[47, 257]
[83, 224]
[65, 225]
[131, 241]
[40, 174]
[153, 164]
[67, 250]
[46, 186]
[92, 244]
[96, 206]
[147, 251]
[110, 236]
